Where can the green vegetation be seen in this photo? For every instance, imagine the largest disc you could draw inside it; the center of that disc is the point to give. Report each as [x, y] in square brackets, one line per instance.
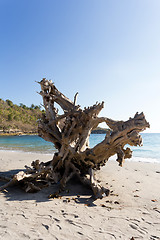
[16, 119]
[99, 130]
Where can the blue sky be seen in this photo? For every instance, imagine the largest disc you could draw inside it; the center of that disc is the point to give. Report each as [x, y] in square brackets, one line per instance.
[107, 50]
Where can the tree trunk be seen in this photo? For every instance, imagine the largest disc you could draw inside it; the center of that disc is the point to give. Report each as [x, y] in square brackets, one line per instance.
[69, 132]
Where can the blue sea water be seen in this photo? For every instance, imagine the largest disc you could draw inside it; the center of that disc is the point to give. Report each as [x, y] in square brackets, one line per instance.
[149, 152]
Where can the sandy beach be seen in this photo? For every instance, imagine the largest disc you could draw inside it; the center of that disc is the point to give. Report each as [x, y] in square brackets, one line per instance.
[131, 211]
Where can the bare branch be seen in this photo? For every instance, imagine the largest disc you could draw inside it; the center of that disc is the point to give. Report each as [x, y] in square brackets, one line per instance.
[70, 133]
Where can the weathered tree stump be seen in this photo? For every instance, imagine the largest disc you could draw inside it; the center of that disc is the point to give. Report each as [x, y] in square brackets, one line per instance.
[69, 132]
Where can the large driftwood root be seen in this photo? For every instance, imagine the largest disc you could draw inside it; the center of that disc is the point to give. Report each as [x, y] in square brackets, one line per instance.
[69, 132]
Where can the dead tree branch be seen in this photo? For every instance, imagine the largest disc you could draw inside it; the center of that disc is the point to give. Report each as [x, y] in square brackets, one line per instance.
[69, 132]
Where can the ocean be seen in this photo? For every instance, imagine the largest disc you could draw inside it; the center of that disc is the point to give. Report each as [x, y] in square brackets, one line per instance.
[149, 152]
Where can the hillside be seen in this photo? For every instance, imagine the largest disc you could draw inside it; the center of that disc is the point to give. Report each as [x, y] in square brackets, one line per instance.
[21, 119]
[16, 119]
[99, 130]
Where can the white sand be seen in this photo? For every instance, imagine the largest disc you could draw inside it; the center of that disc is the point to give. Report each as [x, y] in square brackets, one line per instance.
[132, 209]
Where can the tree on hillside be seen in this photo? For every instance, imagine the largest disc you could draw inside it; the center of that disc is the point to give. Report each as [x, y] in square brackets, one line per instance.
[10, 117]
[37, 107]
[32, 106]
[9, 102]
[22, 105]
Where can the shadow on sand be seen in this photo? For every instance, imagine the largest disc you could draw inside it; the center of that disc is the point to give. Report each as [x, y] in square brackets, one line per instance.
[74, 191]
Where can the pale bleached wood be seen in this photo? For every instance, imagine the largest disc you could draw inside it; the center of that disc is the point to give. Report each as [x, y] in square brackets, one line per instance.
[70, 132]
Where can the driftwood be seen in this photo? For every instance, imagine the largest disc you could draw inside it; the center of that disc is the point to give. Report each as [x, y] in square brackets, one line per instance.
[69, 132]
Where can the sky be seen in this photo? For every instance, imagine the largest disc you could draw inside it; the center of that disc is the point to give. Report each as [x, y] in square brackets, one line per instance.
[107, 50]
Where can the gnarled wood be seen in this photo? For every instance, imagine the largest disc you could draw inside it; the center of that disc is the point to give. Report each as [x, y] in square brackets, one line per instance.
[69, 132]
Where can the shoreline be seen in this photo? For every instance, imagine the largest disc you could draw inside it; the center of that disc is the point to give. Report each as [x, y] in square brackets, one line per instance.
[27, 152]
[17, 134]
[20, 133]
[113, 158]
